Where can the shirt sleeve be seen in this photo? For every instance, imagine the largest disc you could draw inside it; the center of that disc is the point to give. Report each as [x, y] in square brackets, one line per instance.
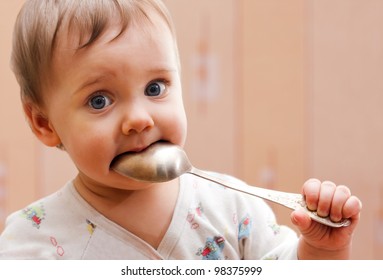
[268, 240]
[259, 234]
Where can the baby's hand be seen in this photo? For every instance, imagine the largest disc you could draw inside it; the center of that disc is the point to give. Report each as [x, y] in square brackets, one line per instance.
[319, 241]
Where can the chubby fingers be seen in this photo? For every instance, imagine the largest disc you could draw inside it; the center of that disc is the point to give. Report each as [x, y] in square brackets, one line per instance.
[319, 196]
[352, 207]
[331, 200]
[341, 195]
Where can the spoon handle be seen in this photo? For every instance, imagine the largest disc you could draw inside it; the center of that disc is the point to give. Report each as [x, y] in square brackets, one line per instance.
[290, 200]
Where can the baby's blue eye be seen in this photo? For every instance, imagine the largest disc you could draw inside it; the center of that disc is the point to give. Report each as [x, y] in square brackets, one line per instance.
[99, 102]
[155, 89]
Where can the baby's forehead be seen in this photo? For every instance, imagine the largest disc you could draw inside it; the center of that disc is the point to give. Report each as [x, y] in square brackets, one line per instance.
[74, 43]
[152, 37]
[79, 30]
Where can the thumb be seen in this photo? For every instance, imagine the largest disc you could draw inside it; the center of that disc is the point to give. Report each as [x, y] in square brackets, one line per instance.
[301, 220]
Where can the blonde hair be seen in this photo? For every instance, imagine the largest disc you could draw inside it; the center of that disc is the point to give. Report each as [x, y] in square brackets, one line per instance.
[40, 22]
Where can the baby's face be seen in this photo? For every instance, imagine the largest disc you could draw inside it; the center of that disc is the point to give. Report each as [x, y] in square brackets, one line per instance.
[116, 96]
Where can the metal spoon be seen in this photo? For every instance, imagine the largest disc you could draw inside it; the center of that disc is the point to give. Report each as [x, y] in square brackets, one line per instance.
[162, 162]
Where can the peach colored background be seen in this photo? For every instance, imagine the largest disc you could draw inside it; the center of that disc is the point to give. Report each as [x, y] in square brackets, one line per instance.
[275, 91]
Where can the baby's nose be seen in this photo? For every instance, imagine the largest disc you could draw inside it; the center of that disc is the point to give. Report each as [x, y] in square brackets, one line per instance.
[136, 120]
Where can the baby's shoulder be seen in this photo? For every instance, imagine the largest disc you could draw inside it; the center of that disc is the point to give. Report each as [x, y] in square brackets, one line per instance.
[38, 230]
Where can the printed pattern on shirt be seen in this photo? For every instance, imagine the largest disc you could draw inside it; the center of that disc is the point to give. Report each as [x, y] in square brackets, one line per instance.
[90, 226]
[59, 249]
[193, 215]
[244, 227]
[275, 228]
[213, 248]
[35, 214]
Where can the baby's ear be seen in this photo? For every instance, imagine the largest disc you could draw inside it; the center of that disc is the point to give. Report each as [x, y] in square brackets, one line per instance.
[40, 125]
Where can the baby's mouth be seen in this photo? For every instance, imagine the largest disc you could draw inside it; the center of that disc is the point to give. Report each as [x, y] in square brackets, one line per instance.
[136, 150]
[133, 151]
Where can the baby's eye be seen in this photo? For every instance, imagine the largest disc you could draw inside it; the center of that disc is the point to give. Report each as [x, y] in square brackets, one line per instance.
[99, 102]
[155, 89]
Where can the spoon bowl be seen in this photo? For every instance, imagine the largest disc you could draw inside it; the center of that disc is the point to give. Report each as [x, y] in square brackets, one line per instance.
[160, 162]
[163, 161]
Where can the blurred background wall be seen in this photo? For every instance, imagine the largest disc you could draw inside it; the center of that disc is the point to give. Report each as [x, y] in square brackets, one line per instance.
[275, 91]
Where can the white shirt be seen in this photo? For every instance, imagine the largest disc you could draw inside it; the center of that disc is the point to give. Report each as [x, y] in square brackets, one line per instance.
[209, 222]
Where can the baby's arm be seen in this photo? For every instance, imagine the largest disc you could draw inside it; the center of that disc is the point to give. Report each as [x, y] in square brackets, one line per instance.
[319, 241]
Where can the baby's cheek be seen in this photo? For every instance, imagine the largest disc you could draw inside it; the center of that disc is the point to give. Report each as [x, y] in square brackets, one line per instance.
[176, 130]
[90, 153]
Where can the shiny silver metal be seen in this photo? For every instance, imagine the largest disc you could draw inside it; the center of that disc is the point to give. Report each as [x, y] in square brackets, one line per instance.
[162, 162]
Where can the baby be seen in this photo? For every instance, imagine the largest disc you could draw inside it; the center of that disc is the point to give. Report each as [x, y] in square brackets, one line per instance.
[102, 78]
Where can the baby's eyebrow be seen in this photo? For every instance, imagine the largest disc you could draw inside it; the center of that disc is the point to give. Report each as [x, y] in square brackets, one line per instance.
[94, 79]
[86, 84]
[90, 82]
[162, 70]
